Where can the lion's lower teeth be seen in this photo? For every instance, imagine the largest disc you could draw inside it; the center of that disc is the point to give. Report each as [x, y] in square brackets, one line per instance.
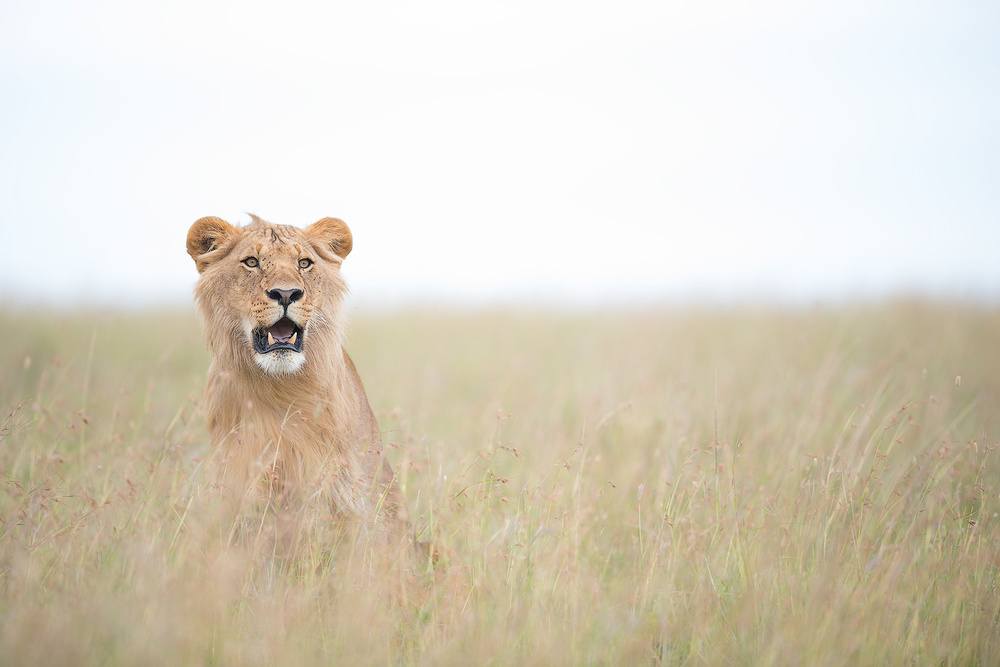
[293, 338]
[270, 338]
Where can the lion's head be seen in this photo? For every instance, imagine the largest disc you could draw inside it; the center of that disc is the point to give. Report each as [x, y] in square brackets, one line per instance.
[269, 295]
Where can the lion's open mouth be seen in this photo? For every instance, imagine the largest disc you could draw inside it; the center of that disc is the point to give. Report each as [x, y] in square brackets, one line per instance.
[282, 335]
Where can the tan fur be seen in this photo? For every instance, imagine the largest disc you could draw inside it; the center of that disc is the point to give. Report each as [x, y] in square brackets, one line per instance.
[286, 429]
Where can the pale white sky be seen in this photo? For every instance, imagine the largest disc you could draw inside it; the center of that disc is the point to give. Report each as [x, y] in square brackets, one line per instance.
[587, 151]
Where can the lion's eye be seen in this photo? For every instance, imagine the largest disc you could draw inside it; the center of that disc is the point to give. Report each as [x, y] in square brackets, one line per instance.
[251, 262]
[305, 263]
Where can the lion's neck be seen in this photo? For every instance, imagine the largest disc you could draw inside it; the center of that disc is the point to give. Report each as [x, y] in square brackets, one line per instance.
[252, 394]
[296, 421]
[310, 388]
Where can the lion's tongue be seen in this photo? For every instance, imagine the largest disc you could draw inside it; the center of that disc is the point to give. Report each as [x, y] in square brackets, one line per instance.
[282, 330]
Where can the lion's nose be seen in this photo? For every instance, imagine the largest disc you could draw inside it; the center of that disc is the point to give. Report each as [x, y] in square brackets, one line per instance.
[285, 296]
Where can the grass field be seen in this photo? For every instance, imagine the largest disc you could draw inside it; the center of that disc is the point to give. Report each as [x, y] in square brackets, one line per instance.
[732, 486]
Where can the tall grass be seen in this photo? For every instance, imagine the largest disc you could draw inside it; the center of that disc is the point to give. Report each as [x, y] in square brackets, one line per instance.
[667, 486]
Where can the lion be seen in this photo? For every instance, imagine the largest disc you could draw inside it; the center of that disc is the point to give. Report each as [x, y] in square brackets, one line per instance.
[288, 416]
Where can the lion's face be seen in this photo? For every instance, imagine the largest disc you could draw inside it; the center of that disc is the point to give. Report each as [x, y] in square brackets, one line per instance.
[266, 292]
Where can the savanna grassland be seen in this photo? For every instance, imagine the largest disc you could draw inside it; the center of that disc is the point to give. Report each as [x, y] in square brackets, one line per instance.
[675, 486]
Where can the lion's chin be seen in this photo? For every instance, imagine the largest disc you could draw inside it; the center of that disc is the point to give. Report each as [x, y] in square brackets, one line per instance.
[280, 362]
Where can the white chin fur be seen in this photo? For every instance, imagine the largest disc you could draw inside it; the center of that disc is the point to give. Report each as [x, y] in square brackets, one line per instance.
[280, 362]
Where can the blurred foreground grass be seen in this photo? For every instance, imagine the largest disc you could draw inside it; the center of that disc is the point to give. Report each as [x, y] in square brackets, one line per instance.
[676, 487]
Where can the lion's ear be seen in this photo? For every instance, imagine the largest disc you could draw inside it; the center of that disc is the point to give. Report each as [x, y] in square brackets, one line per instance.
[331, 234]
[206, 235]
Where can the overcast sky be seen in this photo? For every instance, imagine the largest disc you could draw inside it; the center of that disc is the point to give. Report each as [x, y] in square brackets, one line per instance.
[481, 151]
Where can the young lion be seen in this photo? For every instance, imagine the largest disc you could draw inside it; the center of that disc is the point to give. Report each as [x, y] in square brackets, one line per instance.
[289, 420]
